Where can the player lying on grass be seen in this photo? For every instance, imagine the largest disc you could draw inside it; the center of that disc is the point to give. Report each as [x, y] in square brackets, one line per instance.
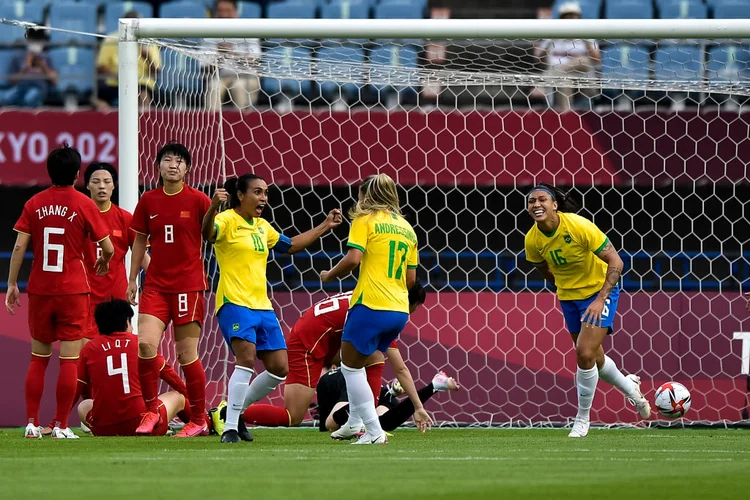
[108, 372]
[573, 254]
[242, 240]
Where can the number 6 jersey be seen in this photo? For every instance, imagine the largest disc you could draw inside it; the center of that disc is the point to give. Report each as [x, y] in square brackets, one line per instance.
[60, 221]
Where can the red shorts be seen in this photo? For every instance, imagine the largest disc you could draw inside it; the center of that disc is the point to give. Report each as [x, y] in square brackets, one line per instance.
[128, 427]
[180, 308]
[304, 367]
[62, 317]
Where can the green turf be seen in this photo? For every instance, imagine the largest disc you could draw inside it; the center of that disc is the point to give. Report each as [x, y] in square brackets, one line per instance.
[461, 464]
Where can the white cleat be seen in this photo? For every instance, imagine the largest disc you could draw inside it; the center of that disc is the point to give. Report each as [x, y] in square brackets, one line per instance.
[347, 432]
[580, 428]
[33, 432]
[66, 433]
[641, 404]
[370, 439]
[442, 382]
[85, 429]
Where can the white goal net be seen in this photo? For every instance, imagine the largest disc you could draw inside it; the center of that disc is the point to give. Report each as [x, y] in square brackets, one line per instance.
[651, 134]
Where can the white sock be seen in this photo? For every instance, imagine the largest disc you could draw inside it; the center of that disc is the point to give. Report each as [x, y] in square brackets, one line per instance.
[613, 376]
[361, 402]
[237, 388]
[586, 381]
[261, 387]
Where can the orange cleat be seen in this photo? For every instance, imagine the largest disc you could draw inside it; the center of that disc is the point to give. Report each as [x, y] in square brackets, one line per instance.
[149, 421]
[192, 429]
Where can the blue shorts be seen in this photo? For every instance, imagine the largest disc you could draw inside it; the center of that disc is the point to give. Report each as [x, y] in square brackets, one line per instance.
[573, 311]
[369, 330]
[259, 327]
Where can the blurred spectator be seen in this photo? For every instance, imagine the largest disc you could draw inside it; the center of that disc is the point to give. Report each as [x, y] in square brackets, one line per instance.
[232, 86]
[149, 64]
[569, 58]
[30, 73]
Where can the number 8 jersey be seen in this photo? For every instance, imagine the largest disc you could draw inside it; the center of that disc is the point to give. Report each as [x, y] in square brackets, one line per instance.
[60, 221]
[389, 247]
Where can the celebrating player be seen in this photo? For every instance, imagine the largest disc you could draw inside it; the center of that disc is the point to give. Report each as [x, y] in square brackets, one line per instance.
[242, 240]
[315, 340]
[573, 254]
[108, 366]
[58, 222]
[169, 218]
[386, 246]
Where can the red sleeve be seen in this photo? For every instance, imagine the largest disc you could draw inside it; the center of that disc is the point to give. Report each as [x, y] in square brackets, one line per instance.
[95, 225]
[127, 221]
[23, 224]
[139, 222]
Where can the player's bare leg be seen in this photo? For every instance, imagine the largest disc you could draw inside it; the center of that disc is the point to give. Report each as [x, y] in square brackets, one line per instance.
[297, 399]
[186, 339]
[150, 331]
[84, 407]
[40, 355]
[174, 403]
[361, 400]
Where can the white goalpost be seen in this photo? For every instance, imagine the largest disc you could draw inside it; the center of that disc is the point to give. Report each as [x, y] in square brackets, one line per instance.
[648, 125]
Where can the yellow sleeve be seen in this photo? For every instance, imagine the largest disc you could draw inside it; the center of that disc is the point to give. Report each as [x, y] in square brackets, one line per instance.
[106, 54]
[412, 261]
[155, 56]
[221, 225]
[358, 233]
[273, 234]
[532, 254]
[590, 235]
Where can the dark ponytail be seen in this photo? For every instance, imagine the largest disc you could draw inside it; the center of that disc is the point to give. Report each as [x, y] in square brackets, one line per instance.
[565, 203]
[236, 185]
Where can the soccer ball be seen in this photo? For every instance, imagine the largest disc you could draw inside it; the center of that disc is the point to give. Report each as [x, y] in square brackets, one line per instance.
[672, 400]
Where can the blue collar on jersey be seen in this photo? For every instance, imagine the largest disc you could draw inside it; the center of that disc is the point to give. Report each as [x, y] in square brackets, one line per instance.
[545, 189]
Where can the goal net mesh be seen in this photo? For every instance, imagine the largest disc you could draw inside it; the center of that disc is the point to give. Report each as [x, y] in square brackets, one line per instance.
[650, 134]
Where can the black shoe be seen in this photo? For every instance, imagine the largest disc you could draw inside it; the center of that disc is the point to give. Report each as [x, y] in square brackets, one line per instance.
[243, 432]
[230, 436]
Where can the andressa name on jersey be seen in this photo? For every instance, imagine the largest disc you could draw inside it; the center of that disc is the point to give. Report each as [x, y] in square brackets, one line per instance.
[59, 210]
[386, 228]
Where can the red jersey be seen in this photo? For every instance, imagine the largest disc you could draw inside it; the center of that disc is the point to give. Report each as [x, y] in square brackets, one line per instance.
[114, 284]
[109, 365]
[173, 225]
[60, 221]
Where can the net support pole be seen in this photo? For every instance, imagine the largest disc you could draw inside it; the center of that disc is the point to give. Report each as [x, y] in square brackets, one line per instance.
[127, 118]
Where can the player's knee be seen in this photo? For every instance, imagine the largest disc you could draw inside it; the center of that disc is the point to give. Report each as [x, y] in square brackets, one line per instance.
[146, 349]
[586, 356]
[280, 371]
[186, 357]
[331, 424]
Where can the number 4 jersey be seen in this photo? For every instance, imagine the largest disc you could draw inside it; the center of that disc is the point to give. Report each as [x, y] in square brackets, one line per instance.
[60, 221]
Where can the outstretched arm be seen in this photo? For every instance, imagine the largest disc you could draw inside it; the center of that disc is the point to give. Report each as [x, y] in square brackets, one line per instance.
[345, 266]
[421, 418]
[208, 230]
[304, 240]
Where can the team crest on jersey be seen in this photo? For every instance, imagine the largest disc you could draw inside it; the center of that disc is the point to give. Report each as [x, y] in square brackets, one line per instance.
[236, 327]
[567, 238]
[260, 230]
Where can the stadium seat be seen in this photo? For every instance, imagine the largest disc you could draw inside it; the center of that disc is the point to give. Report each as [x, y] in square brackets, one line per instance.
[629, 9]
[183, 9]
[683, 9]
[249, 10]
[398, 10]
[20, 11]
[395, 56]
[339, 60]
[115, 10]
[728, 63]
[419, 4]
[345, 9]
[732, 10]
[75, 69]
[6, 55]
[72, 16]
[293, 9]
[590, 9]
[292, 61]
[626, 61]
[678, 62]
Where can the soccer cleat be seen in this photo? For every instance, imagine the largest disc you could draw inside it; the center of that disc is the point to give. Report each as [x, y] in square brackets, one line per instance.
[641, 404]
[66, 433]
[85, 429]
[230, 436]
[580, 428]
[33, 432]
[216, 419]
[243, 432]
[370, 439]
[442, 382]
[192, 429]
[47, 431]
[395, 388]
[346, 432]
[149, 421]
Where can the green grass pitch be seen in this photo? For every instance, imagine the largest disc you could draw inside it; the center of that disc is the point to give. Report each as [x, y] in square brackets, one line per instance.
[444, 463]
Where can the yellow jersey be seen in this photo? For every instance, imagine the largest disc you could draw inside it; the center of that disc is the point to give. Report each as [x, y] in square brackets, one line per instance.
[389, 247]
[242, 253]
[571, 254]
[108, 58]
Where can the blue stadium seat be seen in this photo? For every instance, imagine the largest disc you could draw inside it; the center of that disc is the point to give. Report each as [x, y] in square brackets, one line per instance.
[73, 16]
[115, 10]
[289, 60]
[183, 9]
[339, 60]
[395, 56]
[419, 4]
[398, 10]
[626, 61]
[714, 3]
[629, 9]
[6, 55]
[728, 63]
[590, 9]
[732, 10]
[21, 11]
[249, 10]
[345, 9]
[179, 73]
[682, 9]
[293, 9]
[75, 69]
[678, 62]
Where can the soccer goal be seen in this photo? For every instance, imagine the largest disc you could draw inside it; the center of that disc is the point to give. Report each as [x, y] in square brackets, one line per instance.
[645, 119]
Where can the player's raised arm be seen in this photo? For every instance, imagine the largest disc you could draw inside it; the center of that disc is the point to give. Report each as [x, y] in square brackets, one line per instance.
[209, 229]
[16, 259]
[304, 240]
